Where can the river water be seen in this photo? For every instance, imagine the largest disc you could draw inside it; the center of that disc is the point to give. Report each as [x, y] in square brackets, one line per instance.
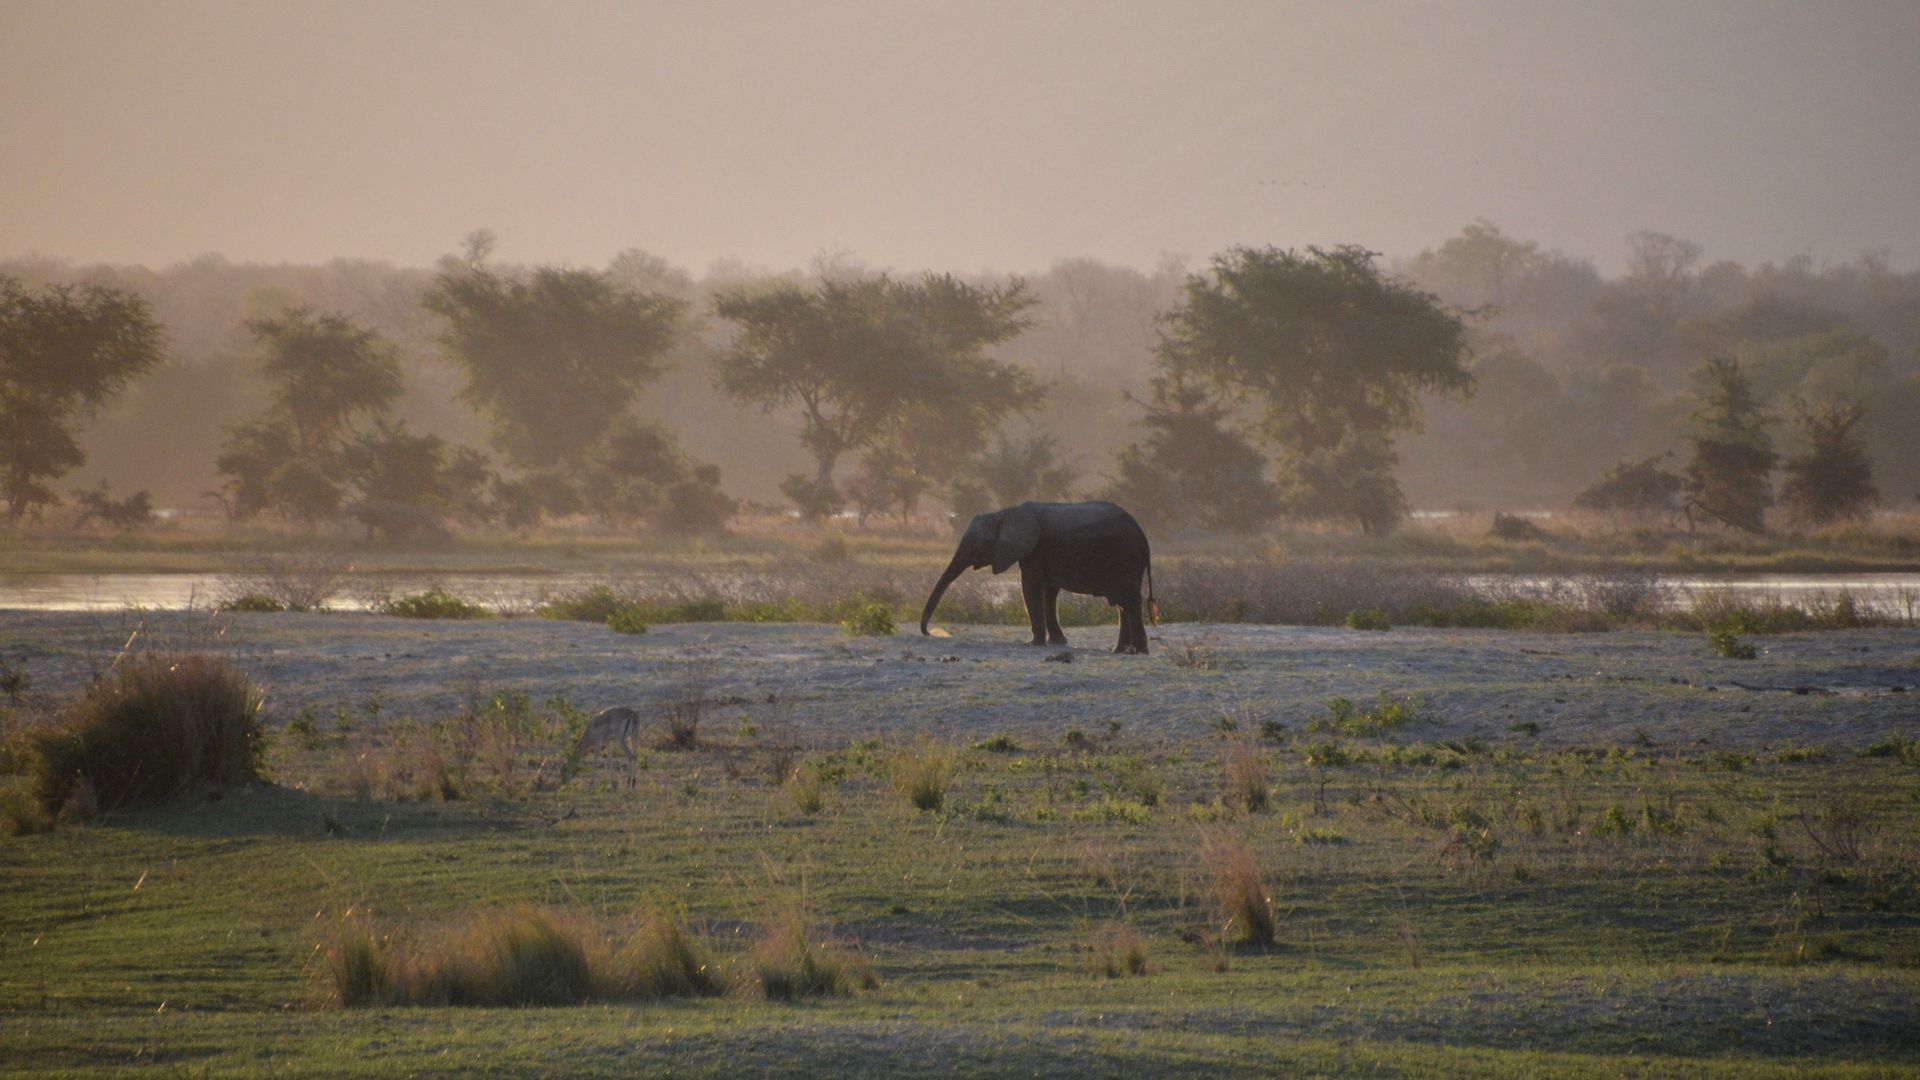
[1896, 594]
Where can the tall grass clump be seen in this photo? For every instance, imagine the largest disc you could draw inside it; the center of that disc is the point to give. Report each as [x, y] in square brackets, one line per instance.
[787, 965]
[1245, 782]
[1239, 894]
[1116, 950]
[159, 726]
[662, 960]
[922, 773]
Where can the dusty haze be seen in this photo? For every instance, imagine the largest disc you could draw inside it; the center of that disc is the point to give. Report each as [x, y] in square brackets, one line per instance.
[959, 136]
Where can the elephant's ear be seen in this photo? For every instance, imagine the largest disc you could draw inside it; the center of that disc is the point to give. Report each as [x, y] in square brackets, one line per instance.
[1019, 536]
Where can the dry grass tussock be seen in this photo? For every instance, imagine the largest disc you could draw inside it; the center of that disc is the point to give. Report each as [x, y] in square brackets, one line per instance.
[525, 955]
[787, 964]
[1243, 906]
[158, 725]
[517, 956]
[1245, 783]
[923, 772]
[1116, 950]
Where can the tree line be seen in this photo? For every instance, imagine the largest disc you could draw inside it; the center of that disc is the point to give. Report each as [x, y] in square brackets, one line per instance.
[1274, 381]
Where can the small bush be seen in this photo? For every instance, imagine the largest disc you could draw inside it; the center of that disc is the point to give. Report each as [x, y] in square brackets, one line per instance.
[159, 726]
[871, 619]
[787, 965]
[808, 790]
[1116, 950]
[1725, 642]
[596, 604]
[1906, 751]
[998, 744]
[1369, 619]
[20, 813]
[923, 773]
[627, 619]
[435, 603]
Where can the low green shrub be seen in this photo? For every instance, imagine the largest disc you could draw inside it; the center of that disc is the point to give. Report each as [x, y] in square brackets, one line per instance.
[1343, 717]
[871, 619]
[1001, 743]
[435, 603]
[627, 620]
[1115, 812]
[1369, 619]
[1726, 642]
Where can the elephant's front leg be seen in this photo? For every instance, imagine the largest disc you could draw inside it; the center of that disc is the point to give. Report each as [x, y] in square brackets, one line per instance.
[1033, 589]
[1055, 635]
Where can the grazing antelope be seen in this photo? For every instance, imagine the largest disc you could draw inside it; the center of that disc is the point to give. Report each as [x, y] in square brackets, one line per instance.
[617, 728]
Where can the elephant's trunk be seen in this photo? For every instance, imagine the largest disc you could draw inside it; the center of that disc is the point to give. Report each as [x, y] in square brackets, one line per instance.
[953, 570]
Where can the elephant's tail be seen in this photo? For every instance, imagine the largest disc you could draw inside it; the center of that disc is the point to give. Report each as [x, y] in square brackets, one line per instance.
[1153, 606]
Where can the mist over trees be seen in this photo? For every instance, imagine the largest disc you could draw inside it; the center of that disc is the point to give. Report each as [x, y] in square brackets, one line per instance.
[1581, 377]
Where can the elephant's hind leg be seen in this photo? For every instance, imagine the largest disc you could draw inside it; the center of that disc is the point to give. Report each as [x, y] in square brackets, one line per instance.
[1133, 630]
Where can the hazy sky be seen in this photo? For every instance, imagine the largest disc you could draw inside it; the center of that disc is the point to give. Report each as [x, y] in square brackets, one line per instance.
[959, 136]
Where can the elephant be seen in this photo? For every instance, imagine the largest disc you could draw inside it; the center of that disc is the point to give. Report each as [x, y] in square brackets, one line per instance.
[1094, 548]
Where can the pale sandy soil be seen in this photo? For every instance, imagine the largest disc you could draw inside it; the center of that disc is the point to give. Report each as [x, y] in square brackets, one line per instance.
[1845, 689]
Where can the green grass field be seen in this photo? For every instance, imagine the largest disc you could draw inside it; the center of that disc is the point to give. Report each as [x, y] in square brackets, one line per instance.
[1524, 904]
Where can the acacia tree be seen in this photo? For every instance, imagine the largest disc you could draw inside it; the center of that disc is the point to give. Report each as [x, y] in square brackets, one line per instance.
[1727, 478]
[555, 358]
[552, 357]
[1331, 354]
[1832, 478]
[63, 352]
[327, 375]
[866, 359]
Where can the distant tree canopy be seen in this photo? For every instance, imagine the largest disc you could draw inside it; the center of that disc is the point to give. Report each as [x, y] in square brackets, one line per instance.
[1831, 478]
[552, 358]
[1332, 354]
[869, 359]
[1727, 478]
[64, 350]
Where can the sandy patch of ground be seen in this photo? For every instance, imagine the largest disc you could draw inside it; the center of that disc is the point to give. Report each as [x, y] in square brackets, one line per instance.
[1844, 689]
